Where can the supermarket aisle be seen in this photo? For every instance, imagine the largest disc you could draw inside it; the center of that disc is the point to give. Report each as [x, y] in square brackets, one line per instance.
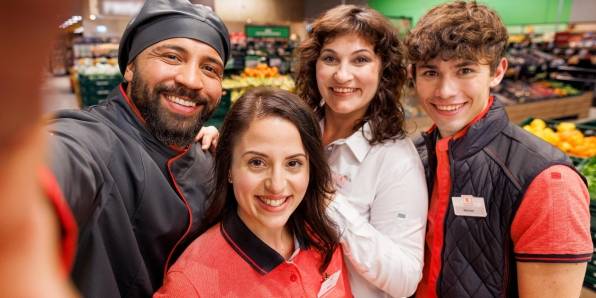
[56, 94]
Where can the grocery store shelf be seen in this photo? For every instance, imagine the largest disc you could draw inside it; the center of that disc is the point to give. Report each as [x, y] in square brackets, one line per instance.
[572, 79]
[572, 106]
[573, 68]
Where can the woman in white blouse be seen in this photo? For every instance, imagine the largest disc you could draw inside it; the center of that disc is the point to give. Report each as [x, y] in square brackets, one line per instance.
[351, 73]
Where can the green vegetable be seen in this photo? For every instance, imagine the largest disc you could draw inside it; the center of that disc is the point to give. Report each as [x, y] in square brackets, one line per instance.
[588, 169]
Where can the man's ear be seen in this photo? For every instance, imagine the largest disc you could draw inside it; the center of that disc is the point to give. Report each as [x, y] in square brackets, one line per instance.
[129, 71]
[499, 72]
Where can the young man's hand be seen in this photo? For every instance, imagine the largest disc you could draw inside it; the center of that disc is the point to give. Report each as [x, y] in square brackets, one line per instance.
[208, 137]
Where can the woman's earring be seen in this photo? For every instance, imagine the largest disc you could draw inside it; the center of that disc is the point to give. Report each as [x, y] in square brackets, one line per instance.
[322, 102]
[230, 178]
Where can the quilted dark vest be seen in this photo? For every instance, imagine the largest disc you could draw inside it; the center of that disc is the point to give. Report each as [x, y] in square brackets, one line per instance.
[495, 160]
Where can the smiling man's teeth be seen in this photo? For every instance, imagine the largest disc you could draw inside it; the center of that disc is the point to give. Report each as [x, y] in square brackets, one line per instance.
[449, 107]
[273, 203]
[343, 90]
[181, 101]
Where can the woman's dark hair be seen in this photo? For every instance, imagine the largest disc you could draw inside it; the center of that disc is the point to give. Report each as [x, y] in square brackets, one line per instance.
[309, 222]
[385, 112]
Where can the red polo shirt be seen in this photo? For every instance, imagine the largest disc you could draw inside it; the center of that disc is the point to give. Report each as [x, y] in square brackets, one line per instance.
[230, 261]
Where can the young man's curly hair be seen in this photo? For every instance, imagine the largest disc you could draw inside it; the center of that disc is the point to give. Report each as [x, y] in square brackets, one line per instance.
[460, 30]
[385, 113]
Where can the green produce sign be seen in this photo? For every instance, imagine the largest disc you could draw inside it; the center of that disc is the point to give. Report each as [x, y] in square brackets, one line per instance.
[267, 31]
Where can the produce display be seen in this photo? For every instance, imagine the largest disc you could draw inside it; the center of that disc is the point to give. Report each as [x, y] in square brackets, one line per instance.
[565, 136]
[553, 88]
[250, 51]
[260, 71]
[539, 71]
[520, 91]
[260, 75]
[588, 169]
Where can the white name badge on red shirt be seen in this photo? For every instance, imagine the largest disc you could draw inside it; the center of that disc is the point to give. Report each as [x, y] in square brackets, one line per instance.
[468, 205]
[329, 283]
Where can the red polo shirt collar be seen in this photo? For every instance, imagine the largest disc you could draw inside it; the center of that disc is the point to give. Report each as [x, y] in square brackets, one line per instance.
[253, 250]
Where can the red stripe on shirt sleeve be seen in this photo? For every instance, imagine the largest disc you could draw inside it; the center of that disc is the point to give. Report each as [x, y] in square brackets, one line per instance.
[563, 258]
[68, 225]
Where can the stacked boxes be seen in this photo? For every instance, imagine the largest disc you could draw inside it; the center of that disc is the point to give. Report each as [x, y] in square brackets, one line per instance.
[96, 87]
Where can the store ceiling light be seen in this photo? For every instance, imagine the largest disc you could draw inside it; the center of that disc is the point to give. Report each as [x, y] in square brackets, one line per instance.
[101, 29]
[71, 21]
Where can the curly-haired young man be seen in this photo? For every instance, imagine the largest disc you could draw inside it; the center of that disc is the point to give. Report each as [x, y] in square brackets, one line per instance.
[509, 215]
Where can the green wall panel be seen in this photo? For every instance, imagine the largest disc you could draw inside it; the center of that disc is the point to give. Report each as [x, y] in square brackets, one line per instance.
[513, 12]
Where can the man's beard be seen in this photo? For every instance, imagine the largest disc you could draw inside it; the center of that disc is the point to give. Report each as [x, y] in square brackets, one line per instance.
[167, 127]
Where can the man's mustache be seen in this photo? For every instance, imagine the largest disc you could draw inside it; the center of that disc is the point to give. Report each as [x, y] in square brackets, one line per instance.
[181, 91]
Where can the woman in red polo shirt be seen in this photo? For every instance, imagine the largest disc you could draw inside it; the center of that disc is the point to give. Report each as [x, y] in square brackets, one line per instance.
[267, 233]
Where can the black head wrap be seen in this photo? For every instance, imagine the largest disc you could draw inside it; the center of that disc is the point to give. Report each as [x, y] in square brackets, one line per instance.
[164, 19]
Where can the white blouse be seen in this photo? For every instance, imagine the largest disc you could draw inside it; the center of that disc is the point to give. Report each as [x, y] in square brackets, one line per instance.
[380, 208]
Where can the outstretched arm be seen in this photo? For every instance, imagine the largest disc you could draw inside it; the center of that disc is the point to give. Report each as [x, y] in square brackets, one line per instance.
[29, 233]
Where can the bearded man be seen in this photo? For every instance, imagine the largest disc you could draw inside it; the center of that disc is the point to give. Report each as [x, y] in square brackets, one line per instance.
[128, 174]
